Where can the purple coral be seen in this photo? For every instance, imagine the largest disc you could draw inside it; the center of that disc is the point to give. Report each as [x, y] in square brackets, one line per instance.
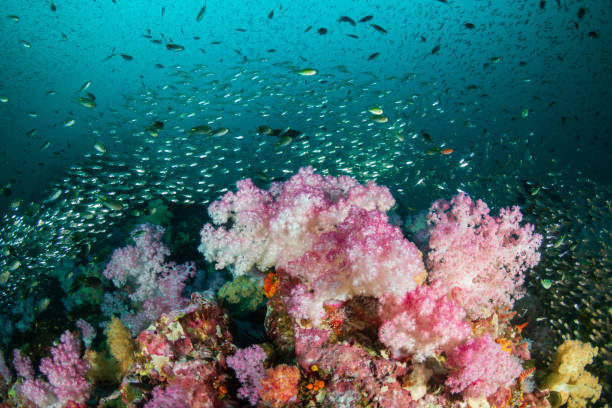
[249, 368]
[481, 258]
[480, 366]
[427, 322]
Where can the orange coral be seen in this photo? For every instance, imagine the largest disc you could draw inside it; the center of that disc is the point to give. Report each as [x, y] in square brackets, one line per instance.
[505, 344]
[270, 284]
[280, 385]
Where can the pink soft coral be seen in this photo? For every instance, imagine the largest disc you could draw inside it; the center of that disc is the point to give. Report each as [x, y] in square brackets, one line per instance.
[481, 258]
[365, 256]
[271, 228]
[426, 323]
[155, 286]
[65, 372]
[480, 366]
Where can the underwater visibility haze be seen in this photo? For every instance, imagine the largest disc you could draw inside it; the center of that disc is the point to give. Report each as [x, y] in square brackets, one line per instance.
[230, 203]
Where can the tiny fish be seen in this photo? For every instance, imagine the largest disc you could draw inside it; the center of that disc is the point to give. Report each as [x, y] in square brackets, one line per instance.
[307, 29]
[127, 57]
[87, 102]
[271, 14]
[372, 56]
[322, 30]
[201, 130]
[3, 99]
[14, 265]
[54, 196]
[69, 122]
[447, 151]
[52, 7]
[44, 304]
[284, 141]
[347, 19]
[380, 119]
[435, 49]
[469, 25]
[220, 132]
[200, 15]
[13, 17]
[100, 147]
[175, 47]
[264, 130]
[560, 241]
[366, 19]
[45, 146]
[375, 110]
[308, 72]
[352, 36]
[26, 44]
[84, 86]
[111, 203]
[379, 28]
[5, 277]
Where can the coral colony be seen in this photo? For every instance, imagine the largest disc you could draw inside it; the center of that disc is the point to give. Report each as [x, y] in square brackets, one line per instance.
[356, 315]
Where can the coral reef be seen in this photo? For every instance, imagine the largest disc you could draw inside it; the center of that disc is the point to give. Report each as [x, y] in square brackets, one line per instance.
[356, 314]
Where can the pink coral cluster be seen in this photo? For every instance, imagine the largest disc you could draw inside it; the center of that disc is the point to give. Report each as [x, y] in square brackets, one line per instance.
[330, 233]
[335, 251]
[427, 322]
[365, 256]
[271, 228]
[65, 371]
[480, 258]
[480, 366]
[155, 287]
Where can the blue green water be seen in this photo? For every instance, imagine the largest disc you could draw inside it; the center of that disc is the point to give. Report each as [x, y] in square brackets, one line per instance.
[547, 63]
